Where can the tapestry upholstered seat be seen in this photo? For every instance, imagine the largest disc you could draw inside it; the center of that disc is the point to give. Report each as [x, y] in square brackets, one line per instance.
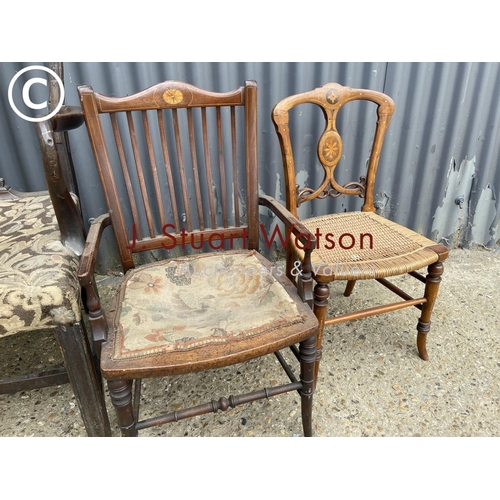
[38, 283]
[181, 304]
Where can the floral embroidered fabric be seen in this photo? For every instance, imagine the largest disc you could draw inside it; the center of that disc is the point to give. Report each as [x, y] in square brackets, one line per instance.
[189, 302]
[38, 283]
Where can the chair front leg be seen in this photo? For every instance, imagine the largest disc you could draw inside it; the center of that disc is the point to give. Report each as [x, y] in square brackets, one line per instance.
[432, 281]
[321, 293]
[84, 379]
[120, 392]
[307, 356]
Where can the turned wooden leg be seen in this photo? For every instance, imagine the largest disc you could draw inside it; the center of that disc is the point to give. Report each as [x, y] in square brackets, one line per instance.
[349, 287]
[432, 281]
[307, 356]
[321, 292]
[120, 392]
[98, 324]
[84, 378]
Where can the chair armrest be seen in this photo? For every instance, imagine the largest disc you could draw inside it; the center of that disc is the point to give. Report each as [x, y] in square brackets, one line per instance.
[89, 255]
[68, 118]
[303, 234]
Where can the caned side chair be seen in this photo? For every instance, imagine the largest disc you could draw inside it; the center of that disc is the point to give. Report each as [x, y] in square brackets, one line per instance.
[362, 245]
[190, 311]
[41, 239]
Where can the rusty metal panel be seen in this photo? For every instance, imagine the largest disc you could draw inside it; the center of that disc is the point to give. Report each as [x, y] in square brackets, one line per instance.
[442, 145]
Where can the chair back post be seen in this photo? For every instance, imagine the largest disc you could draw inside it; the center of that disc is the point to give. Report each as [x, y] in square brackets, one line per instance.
[385, 110]
[98, 143]
[66, 211]
[62, 141]
[330, 98]
[252, 165]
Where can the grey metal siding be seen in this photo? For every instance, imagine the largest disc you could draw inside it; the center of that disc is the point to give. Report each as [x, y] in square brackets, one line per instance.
[443, 141]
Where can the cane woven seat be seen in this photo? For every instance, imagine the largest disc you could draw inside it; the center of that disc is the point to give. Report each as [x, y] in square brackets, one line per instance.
[364, 245]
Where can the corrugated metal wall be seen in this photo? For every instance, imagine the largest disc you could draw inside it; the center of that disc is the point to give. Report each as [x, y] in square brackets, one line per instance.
[443, 141]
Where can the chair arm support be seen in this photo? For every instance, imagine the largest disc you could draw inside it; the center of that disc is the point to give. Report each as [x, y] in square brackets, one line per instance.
[303, 281]
[303, 234]
[85, 273]
[89, 256]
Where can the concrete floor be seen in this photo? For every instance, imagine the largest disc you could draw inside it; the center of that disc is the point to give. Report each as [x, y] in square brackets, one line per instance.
[372, 382]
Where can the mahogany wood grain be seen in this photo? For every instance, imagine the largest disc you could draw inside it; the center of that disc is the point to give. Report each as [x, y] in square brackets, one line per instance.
[140, 174]
[126, 175]
[252, 164]
[152, 162]
[182, 170]
[234, 148]
[168, 170]
[101, 156]
[208, 165]
[222, 169]
[196, 175]
[320, 304]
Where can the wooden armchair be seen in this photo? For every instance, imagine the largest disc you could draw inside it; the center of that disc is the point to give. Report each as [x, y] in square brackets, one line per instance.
[193, 310]
[41, 239]
[354, 245]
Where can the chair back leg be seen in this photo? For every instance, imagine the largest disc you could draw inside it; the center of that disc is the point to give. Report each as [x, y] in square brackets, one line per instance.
[349, 288]
[307, 356]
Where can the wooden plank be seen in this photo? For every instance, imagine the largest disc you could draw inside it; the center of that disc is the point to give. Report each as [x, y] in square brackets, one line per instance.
[140, 174]
[236, 190]
[196, 177]
[34, 381]
[182, 170]
[126, 175]
[168, 170]
[152, 162]
[222, 168]
[374, 310]
[208, 165]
